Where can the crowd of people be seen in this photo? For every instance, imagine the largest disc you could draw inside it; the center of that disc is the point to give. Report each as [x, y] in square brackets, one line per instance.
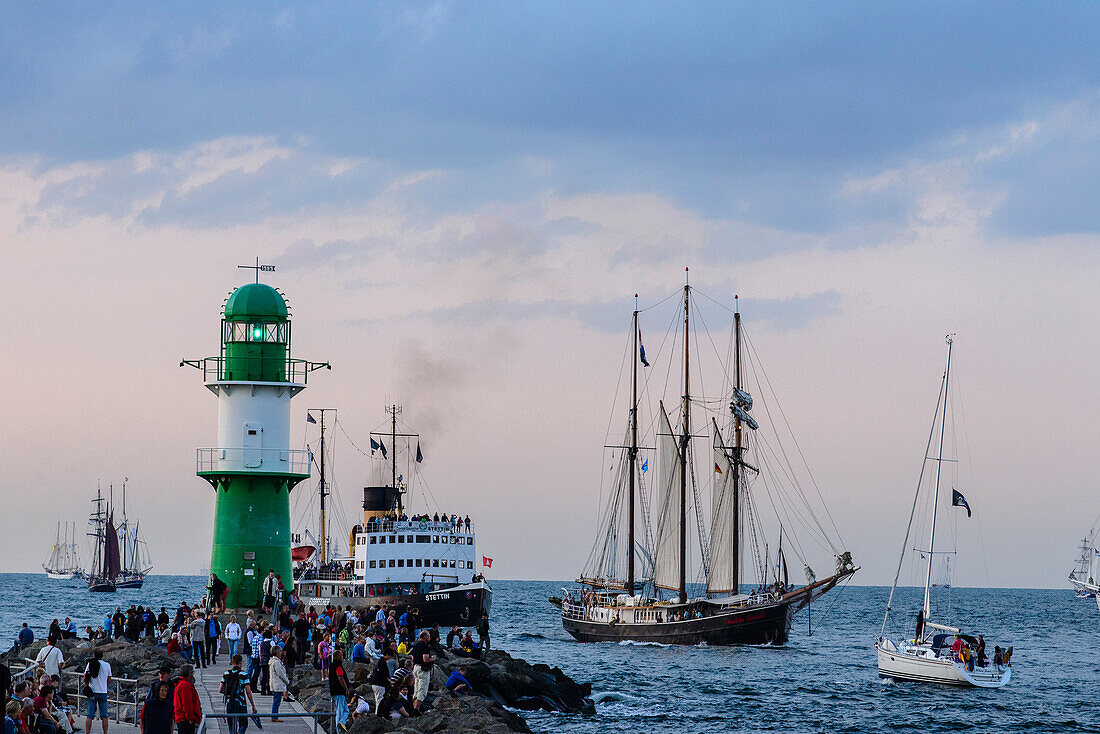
[458, 524]
[264, 652]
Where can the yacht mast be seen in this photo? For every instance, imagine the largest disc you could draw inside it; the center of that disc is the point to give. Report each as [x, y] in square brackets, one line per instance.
[684, 438]
[633, 457]
[939, 470]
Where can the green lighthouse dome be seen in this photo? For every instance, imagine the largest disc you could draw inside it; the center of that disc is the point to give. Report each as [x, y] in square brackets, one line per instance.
[256, 302]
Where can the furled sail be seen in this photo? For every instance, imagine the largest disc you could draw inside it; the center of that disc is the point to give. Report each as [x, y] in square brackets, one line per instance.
[112, 563]
[723, 553]
[666, 573]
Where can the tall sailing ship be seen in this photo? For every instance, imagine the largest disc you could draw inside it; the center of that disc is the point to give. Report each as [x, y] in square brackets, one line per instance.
[638, 583]
[423, 563]
[938, 652]
[1085, 575]
[103, 574]
[134, 561]
[64, 562]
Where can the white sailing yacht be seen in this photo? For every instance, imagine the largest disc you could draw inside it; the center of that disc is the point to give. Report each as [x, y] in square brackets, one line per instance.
[930, 656]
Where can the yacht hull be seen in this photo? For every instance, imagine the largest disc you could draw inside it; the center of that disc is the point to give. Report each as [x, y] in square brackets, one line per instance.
[899, 665]
[759, 625]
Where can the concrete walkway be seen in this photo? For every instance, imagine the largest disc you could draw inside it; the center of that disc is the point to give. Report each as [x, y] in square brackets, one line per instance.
[207, 681]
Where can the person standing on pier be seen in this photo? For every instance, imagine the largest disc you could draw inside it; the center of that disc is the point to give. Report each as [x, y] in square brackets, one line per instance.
[186, 706]
[197, 626]
[97, 676]
[213, 632]
[271, 588]
[279, 681]
[339, 689]
[237, 691]
[232, 634]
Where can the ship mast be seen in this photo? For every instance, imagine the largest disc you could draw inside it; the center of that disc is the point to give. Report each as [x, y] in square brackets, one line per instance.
[738, 450]
[684, 438]
[633, 457]
[323, 485]
[393, 453]
[936, 497]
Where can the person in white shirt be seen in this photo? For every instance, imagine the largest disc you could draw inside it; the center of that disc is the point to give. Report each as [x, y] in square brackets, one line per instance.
[98, 677]
[50, 658]
[233, 634]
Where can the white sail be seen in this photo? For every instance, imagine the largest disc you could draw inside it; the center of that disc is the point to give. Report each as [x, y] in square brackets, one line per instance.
[723, 554]
[666, 573]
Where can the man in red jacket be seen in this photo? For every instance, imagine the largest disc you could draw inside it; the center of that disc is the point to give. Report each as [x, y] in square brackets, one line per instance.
[186, 704]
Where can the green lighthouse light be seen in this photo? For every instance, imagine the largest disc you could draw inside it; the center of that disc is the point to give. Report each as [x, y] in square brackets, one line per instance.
[258, 333]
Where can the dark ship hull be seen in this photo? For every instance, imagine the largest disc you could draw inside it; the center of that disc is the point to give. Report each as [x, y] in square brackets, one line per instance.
[767, 624]
[98, 584]
[461, 605]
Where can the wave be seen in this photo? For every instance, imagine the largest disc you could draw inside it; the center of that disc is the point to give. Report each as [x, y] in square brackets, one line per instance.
[530, 636]
[643, 644]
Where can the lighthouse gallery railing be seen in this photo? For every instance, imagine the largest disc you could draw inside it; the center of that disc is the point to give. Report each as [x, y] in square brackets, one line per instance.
[279, 461]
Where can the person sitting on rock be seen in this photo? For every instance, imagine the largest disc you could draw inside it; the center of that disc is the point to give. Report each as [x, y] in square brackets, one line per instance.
[457, 683]
[469, 648]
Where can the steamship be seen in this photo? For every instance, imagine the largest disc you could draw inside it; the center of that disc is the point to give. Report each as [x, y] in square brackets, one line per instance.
[425, 564]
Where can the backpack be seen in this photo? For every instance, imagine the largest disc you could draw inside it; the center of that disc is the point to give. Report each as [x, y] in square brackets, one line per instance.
[231, 686]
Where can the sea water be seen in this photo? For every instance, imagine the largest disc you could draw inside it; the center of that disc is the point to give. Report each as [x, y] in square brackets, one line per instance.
[826, 681]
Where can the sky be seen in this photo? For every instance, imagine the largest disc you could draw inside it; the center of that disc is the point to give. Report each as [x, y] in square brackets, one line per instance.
[461, 200]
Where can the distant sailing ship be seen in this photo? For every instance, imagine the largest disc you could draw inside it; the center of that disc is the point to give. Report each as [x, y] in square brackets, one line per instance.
[64, 563]
[1084, 575]
[120, 558]
[635, 586]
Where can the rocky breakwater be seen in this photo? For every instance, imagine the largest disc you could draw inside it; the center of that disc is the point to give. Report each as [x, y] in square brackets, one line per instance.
[503, 682]
[137, 661]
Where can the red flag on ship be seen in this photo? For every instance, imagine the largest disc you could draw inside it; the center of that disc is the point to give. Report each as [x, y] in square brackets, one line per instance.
[487, 561]
[717, 469]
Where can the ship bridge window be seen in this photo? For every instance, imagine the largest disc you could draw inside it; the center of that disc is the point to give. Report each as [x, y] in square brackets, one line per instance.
[418, 563]
[469, 541]
[373, 564]
[408, 538]
[400, 562]
[452, 563]
[400, 538]
[393, 563]
[462, 564]
[423, 539]
[373, 540]
[435, 563]
[435, 538]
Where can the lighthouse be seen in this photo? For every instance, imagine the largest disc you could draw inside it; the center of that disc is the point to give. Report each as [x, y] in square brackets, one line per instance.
[253, 468]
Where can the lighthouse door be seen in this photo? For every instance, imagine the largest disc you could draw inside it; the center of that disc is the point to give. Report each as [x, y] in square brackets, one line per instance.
[253, 438]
